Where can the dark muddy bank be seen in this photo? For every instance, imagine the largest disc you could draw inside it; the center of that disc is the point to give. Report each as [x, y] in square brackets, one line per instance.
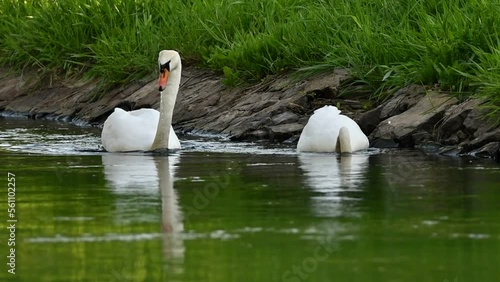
[275, 109]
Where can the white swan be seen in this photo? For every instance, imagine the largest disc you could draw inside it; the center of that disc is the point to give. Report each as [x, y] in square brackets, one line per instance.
[147, 129]
[329, 131]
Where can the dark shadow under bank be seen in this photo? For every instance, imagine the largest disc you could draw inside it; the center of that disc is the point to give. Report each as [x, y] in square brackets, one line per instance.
[276, 109]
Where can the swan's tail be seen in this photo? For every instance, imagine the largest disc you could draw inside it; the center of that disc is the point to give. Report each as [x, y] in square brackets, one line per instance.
[344, 141]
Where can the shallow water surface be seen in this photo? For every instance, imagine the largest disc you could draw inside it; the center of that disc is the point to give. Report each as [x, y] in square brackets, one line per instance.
[223, 211]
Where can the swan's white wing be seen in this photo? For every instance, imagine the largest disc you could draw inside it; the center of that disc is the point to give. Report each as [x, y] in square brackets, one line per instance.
[359, 141]
[133, 131]
[130, 131]
[147, 115]
[173, 141]
[321, 131]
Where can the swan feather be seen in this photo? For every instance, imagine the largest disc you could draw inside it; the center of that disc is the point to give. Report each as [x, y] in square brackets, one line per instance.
[321, 133]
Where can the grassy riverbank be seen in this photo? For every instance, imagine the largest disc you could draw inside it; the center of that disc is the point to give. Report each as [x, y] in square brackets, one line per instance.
[387, 43]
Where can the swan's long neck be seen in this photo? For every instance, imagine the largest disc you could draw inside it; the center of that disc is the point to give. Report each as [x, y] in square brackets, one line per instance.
[168, 97]
[344, 141]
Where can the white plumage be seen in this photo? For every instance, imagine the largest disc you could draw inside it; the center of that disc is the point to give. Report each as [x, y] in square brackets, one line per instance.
[147, 129]
[329, 131]
[133, 131]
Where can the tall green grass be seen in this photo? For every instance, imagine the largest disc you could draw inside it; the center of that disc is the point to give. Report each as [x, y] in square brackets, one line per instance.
[386, 43]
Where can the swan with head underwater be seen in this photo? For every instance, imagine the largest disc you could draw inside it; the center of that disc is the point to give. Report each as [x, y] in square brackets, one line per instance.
[329, 131]
[147, 129]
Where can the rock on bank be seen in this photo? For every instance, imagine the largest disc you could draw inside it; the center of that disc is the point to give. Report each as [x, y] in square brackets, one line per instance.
[275, 109]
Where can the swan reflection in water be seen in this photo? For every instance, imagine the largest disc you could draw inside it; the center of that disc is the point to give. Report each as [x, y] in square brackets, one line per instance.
[139, 177]
[336, 178]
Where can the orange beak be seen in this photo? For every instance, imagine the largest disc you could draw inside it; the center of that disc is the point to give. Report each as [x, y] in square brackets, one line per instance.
[162, 81]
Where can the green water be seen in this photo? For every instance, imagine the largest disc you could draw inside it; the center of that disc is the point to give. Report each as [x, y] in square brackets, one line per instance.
[222, 211]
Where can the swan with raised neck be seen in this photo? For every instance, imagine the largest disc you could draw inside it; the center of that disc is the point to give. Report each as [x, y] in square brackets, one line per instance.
[147, 129]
